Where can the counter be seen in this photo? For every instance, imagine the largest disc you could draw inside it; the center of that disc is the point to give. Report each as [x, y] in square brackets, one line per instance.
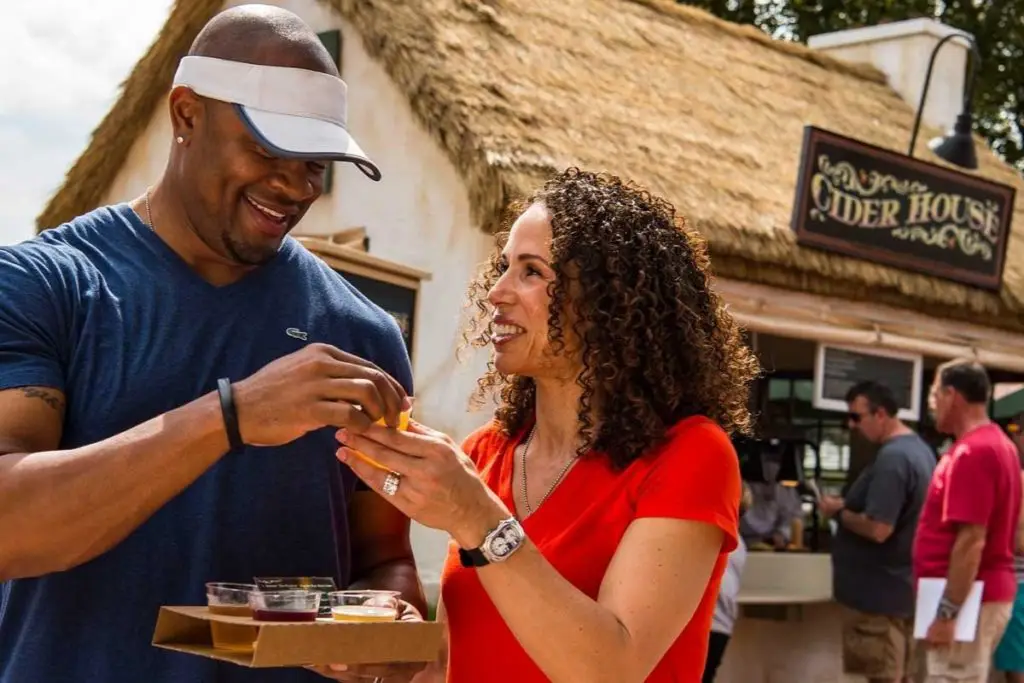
[789, 629]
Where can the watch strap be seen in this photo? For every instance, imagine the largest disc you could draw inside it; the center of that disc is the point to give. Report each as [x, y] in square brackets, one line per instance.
[485, 554]
[472, 557]
[948, 610]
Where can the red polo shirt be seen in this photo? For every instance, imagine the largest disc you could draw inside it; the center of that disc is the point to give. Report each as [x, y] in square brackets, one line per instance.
[977, 482]
[694, 475]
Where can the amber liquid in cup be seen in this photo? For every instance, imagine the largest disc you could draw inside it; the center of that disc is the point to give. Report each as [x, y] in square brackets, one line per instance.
[230, 600]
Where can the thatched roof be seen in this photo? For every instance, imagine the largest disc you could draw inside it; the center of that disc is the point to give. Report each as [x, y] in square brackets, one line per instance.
[707, 113]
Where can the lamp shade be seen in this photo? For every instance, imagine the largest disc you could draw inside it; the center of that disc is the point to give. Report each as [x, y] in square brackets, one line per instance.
[958, 147]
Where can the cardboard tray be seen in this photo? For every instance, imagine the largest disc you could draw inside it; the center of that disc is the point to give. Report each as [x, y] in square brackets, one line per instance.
[282, 644]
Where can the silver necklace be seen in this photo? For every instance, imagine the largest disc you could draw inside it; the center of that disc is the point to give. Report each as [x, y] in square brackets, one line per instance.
[149, 213]
[522, 466]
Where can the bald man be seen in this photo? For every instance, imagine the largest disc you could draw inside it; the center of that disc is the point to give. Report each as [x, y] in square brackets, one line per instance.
[173, 372]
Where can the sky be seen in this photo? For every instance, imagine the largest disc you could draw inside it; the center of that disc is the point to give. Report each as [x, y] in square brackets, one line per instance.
[63, 64]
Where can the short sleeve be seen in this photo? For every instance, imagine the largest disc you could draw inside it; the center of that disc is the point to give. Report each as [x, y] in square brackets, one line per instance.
[887, 489]
[480, 445]
[31, 321]
[695, 476]
[969, 497]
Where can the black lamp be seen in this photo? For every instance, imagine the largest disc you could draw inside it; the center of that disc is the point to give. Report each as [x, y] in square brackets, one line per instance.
[957, 147]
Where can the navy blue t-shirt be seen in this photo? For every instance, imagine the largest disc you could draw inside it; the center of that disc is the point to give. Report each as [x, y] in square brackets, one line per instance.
[104, 310]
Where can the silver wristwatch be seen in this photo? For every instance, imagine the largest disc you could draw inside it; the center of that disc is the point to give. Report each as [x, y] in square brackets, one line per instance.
[497, 546]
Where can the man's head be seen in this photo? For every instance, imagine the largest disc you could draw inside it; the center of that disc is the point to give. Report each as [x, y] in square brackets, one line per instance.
[873, 410]
[961, 390]
[241, 194]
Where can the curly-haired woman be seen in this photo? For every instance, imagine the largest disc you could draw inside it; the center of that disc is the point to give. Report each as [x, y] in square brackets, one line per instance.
[592, 519]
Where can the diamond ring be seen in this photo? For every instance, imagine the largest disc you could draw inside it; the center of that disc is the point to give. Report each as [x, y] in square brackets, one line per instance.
[391, 483]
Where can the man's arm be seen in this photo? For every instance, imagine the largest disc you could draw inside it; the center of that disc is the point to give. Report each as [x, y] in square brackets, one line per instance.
[862, 525]
[964, 561]
[969, 503]
[886, 495]
[382, 555]
[60, 508]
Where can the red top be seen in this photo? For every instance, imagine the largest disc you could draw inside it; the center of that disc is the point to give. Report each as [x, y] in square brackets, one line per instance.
[695, 476]
[977, 482]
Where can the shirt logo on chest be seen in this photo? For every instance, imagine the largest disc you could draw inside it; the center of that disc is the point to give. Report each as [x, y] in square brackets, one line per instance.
[296, 333]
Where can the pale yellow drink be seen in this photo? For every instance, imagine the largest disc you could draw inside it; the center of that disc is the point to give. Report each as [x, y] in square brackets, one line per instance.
[363, 613]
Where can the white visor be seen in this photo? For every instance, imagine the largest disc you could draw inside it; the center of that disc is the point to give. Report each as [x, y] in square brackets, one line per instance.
[293, 113]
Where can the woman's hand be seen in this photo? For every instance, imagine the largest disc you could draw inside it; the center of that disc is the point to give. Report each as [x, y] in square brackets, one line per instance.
[439, 486]
[396, 672]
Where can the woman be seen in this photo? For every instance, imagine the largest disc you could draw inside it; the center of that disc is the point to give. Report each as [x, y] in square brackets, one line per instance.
[597, 510]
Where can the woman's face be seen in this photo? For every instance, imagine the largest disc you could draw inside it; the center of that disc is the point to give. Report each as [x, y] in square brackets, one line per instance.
[521, 302]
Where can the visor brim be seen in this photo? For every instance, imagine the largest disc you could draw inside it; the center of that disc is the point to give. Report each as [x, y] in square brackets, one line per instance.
[298, 137]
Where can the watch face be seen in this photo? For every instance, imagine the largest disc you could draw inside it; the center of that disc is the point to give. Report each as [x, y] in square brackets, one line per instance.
[505, 540]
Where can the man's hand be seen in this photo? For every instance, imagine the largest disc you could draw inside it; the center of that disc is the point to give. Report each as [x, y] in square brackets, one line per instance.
[940, 633]
[397, 672]
[830, 505]
[315, 387]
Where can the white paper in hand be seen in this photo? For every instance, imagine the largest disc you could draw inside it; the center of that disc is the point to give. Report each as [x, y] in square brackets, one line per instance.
[929, 594]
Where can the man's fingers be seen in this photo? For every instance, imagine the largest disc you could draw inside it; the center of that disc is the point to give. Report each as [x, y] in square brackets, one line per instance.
[334, 672]
[340, 414]
[389, 388]
[362, 392]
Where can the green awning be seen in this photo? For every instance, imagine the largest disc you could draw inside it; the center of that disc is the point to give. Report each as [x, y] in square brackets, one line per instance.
[1008, 406]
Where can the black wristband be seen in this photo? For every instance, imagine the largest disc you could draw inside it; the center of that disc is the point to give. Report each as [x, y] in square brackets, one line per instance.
[227, 407]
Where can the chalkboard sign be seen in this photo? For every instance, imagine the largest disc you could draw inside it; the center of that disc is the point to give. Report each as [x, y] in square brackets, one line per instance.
[837, 368]
[871, 203]
[399, 301]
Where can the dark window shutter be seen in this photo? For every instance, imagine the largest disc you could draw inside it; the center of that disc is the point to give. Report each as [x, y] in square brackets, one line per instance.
[331, 41]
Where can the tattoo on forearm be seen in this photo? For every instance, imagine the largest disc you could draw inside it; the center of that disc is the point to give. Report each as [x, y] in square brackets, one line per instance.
[47, 396]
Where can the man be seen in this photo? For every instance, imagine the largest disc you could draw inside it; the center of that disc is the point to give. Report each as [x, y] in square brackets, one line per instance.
[872, 570]
[774, 508]
[1009, 656]
[968, 525]
[129, 474]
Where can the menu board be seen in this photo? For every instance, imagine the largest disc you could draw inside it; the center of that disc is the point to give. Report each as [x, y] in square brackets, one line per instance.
[837, 368]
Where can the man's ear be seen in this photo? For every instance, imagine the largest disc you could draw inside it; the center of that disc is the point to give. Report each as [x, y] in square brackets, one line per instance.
[186, 110]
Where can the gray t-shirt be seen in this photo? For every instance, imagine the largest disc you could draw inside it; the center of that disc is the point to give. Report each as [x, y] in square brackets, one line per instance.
[878, 577]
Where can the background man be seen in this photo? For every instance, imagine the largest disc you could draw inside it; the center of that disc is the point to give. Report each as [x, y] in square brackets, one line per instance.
[968, 525]
[1009, 657]
[872, 570]
[125, 480]
[774, 510]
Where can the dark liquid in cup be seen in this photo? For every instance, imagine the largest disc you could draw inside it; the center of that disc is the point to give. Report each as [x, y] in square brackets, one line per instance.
[284, 615]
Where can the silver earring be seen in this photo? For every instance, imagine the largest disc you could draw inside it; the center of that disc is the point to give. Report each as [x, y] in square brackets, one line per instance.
[180, 139]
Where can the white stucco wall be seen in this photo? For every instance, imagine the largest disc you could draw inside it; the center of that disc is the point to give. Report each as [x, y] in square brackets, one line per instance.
[417, 215]
[901, 50]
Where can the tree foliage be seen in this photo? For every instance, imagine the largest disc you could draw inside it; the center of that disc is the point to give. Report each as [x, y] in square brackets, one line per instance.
[997, 26]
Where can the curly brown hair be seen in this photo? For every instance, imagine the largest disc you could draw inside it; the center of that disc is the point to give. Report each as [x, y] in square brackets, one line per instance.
[657, 343]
